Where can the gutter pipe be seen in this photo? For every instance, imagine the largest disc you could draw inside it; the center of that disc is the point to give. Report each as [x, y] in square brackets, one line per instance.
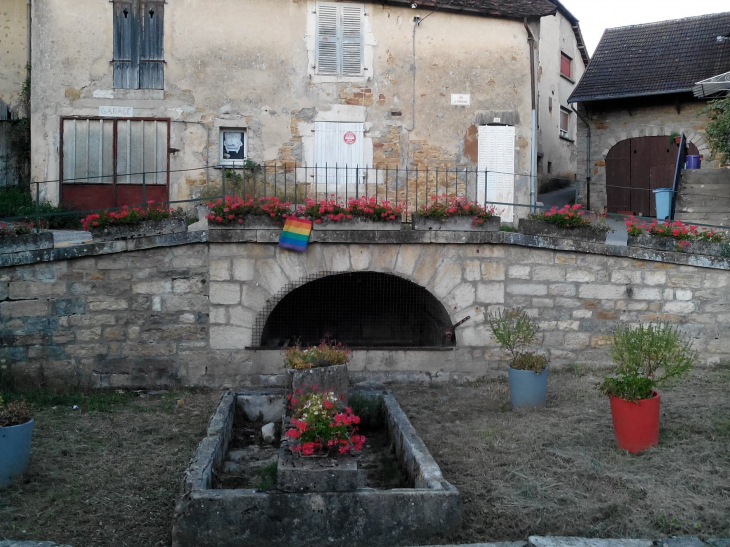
[533, 150]
[588, 156]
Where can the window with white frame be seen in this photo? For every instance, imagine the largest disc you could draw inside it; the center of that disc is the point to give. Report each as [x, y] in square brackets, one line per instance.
[233, 146]
[339, 48]
[564, 123]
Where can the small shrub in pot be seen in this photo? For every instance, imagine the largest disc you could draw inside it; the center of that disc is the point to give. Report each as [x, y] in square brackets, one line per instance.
[16, 431]
[516, 331]
[646, 357]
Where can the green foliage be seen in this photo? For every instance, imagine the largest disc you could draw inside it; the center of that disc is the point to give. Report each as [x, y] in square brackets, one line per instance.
[266, 478]
[58, 221]
[326, 354]
[14, 199]
[529, 361]
[718, 128]
[646, 357]
[507, 228]
[254, 179]
[19, 137]
[515, 331]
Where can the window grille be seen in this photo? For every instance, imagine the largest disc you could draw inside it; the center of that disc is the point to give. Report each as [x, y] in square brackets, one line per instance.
[360, 310]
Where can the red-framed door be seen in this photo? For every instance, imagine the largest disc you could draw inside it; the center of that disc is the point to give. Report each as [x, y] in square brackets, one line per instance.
[111, 162]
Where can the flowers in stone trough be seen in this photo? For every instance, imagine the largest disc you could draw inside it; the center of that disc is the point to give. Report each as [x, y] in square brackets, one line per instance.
[674, 229]
[568, 216]
[443, 207]
[333, 210]
[326, 354]
[321, 424]
[15, 230]
[233, 209]
[128, 215]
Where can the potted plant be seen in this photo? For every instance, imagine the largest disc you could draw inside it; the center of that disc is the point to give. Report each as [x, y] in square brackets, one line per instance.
[20, 237]
[456, 214]
[248, 213]
[516, 331]
[676, 236]
[133, 222]
[571, 222]
[323, 366]
[674, 138]
[358, 214]
[646, 357]
[16, 431]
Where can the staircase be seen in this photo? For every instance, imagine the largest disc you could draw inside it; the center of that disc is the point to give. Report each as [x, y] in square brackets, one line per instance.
[704, 197]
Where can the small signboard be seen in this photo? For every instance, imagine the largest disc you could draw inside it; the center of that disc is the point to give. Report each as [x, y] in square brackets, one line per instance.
[350, 137]
[116, 111]
[460, 99]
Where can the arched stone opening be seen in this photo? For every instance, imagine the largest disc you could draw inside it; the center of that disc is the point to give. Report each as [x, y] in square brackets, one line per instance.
[361, 310]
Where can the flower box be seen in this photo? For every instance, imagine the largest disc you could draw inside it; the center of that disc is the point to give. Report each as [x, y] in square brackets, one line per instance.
[357, 224]
[456, 224]
[534, 227]
[252, 222]
[26, 242]
[333, 378]
[143, 229]
[659, 243]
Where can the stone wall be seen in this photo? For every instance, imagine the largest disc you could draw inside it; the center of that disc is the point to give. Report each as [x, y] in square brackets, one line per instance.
[184, 314]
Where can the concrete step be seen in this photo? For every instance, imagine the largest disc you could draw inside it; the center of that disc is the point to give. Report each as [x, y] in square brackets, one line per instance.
[706, 176]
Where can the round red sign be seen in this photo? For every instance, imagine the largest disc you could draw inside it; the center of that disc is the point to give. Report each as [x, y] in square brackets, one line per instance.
[350, 137]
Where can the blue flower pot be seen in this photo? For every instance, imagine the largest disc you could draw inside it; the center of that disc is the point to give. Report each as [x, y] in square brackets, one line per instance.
[14, 451]
[527, 389]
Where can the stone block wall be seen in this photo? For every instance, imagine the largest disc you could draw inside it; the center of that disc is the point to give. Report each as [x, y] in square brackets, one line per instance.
[185, 314]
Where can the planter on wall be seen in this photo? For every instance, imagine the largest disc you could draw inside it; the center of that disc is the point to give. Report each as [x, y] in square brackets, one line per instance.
[527, 389]
[358, 224]
[661, 243]
[252, 222]
[143, 229]
[14, 451]
[636, 425]
[456, 224]
[534, 227]
[332, 378]
[26, 242]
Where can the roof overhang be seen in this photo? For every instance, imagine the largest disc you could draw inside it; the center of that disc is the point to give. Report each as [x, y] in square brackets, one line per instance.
[572, 99]
[717, 86]
[446, 6]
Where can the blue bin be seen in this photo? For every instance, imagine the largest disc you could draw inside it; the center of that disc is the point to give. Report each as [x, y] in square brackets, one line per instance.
[526, 388]
[663, 202]
[14, 451]
[692, 162]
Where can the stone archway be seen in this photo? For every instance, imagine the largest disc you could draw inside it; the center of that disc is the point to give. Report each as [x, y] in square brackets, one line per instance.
[359, 309]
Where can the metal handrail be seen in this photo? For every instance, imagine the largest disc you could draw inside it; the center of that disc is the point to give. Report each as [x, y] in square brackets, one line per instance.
[681, 156]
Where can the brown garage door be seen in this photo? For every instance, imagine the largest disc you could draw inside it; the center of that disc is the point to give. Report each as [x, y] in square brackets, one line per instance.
[635, 167]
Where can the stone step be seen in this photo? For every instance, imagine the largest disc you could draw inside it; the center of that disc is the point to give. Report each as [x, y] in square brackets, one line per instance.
[246, 468]
[252, 453]
[706, 176]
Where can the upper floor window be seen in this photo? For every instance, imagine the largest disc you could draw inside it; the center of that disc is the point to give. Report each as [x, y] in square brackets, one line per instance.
[139, 33]
[566, 66]
[564, 123]
[339, 38]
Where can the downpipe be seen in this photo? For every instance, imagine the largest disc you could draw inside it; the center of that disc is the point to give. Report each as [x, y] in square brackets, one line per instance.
[588, 157]
[533, 147]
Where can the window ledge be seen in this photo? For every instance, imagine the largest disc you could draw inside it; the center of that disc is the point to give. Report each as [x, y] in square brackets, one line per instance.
[566, 139]
[140, 94]
[567, 78]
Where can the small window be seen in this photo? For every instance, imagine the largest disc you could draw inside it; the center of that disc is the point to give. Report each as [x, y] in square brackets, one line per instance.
[566, 66]
[564, 123]
[339, 38]
[139, 32]
[233, 147]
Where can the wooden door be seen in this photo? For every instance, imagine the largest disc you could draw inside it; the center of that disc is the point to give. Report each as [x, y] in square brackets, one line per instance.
[618, 177]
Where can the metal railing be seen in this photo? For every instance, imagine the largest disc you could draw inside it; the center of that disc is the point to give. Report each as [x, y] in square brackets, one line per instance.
[681, 157]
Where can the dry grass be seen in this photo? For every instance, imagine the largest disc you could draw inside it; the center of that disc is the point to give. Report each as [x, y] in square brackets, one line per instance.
[106, 478]
[557, 471]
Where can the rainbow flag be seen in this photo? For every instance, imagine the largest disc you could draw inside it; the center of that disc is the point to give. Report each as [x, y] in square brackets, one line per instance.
[295, 234]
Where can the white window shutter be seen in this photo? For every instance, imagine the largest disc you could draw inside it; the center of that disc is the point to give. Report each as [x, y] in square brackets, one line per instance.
[497, 158]
[327, 38]
[352, 38]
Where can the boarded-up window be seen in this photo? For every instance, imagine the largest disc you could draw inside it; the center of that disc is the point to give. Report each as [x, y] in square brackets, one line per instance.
[497, 162]
[566, 66]
[564, 123]
[139, 33]
[339, 38]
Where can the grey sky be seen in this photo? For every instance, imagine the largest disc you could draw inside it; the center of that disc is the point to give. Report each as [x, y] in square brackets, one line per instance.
[597, 16]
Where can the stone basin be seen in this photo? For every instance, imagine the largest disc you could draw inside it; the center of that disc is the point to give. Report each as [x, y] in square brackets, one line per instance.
[208, 515]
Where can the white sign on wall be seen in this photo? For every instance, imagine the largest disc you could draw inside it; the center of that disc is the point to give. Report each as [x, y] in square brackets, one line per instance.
[116, 111]
[460, 99]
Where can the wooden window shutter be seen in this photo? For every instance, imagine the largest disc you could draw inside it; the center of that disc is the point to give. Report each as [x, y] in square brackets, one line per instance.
[126, 46]
[328, 41]
[152, 54]
[352, 39]
[566, 65]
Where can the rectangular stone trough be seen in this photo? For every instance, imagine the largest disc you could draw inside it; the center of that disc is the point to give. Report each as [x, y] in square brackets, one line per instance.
[208, 516]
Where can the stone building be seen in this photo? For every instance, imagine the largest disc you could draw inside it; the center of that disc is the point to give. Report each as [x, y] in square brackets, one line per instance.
[171, 88]
[634, 98]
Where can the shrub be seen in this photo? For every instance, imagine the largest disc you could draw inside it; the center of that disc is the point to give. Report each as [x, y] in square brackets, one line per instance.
[14, 413]
[647, 356]
[13, 199]
[515, 331]
[59, 216]
[320, 424]
[128, 215]
[366, 208]
[718, 128]
[565, 217]
[233, 209]
[326, 354]
[443, 207]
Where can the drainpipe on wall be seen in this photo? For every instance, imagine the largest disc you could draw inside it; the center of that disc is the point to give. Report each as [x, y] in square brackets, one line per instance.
[28, 23]
[416, 24]
[533, 150]
[588, 156]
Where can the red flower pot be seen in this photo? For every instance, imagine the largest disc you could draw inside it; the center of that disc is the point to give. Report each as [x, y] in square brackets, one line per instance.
[636, 424]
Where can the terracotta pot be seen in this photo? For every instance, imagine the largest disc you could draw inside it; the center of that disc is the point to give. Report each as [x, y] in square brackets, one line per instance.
[636, 425]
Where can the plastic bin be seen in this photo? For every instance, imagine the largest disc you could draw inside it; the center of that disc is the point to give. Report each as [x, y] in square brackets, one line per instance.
[663, 198]
[692, 162]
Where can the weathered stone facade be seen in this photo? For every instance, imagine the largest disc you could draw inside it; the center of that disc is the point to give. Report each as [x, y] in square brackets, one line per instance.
[184, 313]
[613, 122]
[13, 21]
